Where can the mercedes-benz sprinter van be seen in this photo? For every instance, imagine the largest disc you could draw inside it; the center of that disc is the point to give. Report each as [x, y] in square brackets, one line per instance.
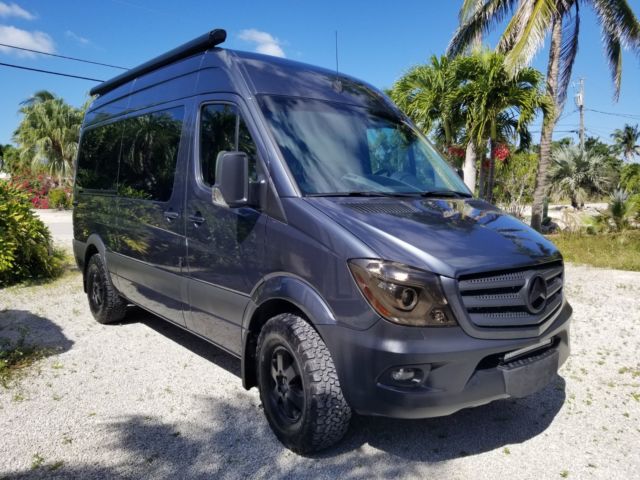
[297, 219]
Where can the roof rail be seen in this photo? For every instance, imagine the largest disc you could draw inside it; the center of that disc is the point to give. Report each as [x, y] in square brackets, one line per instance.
[199, 44]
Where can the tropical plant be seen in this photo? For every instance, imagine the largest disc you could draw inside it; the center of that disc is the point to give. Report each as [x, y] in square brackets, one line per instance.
[428, 94]
[621, 213]
[630, 178]
[576, 174]
[26, 249]
[60, 198]
[524, 34]
[627, 141]
[9, 159]
[48, 134]
[469, 101]
[515, 182]
[498, 103]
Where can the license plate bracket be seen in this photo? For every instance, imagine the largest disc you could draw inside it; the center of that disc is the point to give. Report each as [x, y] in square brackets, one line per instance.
[529, 375]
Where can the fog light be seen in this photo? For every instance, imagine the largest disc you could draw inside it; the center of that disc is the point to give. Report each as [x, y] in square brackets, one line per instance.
[404, 374]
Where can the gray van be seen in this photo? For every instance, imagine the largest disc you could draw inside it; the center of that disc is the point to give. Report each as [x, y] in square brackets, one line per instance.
[296, 219]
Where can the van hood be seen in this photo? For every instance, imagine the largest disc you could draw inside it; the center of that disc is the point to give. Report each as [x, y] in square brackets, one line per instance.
[451, 237]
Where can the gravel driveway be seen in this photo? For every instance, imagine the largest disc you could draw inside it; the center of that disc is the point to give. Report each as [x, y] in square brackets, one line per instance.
[143, 399]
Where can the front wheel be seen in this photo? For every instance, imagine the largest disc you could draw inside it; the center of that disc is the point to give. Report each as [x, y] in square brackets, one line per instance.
[299, 387]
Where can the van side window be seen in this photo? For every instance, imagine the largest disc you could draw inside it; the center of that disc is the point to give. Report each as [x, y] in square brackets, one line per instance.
[98, 158]
[149, 153]
[222, 129]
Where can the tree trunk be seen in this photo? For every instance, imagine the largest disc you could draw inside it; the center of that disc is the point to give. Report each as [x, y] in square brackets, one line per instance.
[469, 167]
[482, 181]
[548, 124]
[492, 162]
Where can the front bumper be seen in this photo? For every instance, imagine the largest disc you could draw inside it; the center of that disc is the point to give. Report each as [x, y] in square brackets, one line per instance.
[460, 371]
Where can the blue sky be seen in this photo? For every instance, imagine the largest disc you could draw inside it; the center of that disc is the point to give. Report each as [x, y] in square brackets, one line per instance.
[378, 41]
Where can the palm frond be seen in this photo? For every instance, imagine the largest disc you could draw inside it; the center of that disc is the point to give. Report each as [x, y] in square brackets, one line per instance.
[620, 29]
[535, 28]
[491, 13]
[568, 53]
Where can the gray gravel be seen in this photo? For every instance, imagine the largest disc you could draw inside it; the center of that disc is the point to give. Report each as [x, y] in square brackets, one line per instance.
[144, 399]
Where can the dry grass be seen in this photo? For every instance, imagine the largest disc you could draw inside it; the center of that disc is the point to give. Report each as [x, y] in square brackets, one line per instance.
[620, 251]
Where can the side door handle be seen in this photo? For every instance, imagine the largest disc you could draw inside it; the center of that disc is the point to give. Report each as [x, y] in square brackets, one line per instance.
[170, 215]
[197, 219]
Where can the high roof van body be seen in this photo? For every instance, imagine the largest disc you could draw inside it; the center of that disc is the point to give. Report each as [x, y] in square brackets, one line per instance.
[296, 219]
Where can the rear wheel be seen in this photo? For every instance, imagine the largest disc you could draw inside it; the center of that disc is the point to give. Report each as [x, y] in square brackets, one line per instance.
[105, 302]
[299, 387]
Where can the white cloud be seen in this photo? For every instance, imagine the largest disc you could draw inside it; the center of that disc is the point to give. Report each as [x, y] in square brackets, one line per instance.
[14, 10]
[78, 38]
[265, 42]
[22, 38]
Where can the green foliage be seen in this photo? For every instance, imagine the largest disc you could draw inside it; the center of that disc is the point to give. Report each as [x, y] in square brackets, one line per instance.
[614, 250]
[60, 198]
[621, 214]
[48, 134]
[9, 159]
[515, 182]
[428, 94]
[630, 178]
[26, 249]
[577, 174]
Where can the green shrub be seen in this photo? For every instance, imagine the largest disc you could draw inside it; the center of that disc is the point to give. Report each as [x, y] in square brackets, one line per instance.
[26, 248]
[60, 198]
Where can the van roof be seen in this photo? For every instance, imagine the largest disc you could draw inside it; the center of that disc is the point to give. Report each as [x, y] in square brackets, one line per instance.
[200, 66]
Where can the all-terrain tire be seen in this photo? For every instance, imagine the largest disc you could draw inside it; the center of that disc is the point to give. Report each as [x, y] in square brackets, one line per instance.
[323, 417]
[106, 304]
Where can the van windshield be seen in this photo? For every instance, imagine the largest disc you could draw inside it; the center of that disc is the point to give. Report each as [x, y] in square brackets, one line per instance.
[340, 149]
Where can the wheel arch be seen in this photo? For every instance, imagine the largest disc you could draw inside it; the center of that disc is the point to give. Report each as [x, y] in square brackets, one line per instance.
[94, 245]
[283, 293]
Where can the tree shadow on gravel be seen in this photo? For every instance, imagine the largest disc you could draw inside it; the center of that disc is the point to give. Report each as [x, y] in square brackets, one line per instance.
[231, 439]
[29, 329]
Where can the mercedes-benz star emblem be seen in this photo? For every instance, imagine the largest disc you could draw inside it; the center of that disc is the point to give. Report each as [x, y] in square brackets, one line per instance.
[537, 294]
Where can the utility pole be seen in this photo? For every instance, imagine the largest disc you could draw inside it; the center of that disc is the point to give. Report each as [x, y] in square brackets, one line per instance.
[580, 104]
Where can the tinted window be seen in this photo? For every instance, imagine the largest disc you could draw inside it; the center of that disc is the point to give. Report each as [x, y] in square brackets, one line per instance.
[98, 158]
[222, 129]
[149, 154]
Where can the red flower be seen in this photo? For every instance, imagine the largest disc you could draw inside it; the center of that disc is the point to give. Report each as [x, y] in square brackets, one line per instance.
[502, 152]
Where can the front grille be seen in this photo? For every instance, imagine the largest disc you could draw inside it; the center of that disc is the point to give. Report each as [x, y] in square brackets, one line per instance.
[501, 299]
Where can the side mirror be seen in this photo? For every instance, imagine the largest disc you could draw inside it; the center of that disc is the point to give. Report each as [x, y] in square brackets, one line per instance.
[232, 180]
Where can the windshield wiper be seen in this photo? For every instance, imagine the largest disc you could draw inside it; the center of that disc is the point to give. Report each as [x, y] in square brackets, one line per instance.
[444, 193]
[363, 194]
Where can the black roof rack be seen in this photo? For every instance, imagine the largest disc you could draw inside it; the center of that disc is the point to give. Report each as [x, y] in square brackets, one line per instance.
[200, 44]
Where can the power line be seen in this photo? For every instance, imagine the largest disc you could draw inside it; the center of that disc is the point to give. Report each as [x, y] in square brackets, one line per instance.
[623, 115]
[62, 56]
[50, 72]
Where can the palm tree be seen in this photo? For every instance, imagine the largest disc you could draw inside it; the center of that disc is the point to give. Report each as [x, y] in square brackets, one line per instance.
[530, 22]
[48, 134]
[428, 95]
[496, 101]
[577, 173]
[626, 141]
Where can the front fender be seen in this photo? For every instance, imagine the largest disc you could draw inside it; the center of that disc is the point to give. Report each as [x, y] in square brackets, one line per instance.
[285, 287]
[293, 289]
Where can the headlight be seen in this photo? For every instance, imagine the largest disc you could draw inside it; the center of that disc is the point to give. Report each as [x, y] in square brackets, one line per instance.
[402, 294]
